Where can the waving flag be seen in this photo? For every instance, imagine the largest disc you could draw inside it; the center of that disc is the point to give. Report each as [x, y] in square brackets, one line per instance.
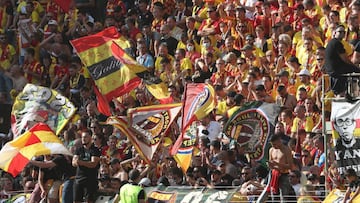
[184, 154]
[40, 104]
[199, 101]
[251, 126]
[39, 140]
[147, 126]
[113, 71]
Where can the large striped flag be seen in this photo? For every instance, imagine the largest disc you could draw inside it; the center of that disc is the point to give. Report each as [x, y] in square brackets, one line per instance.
[199, 101]
[39, 140]
[147, 126]
[40, 104]
[113, 71]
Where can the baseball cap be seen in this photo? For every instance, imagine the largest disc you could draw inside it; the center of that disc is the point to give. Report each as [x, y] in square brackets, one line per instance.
[215, 143]
[304, 72]
[114, 161]
[52, 22]
[231, 94]
[104, 177]
[249, 36]
[259, 4]
[283, 73]
[219, 163]
[247, 47]
[294, 59]
[145, 182]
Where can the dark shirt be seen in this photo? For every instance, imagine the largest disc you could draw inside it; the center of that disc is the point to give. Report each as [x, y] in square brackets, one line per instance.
[84, 173]
[357, 47]
[334, 65]
[354, 185]
[65, 167]
[171, 44]
[145, 19]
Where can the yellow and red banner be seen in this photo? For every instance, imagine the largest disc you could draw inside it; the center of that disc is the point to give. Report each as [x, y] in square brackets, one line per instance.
[146, 126]
[39, 140]
[199, 101]
[40, 104]
[113, 71]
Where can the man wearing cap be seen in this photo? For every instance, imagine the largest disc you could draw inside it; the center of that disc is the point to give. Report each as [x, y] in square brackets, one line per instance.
[337, 63]
[283, 78]
[261, 95]
[305, 75]
[249, 55]
[131, 192]
[50, 28]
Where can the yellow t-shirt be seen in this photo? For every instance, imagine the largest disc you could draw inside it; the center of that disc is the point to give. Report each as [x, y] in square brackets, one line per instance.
[308, 125]
[309, 89]
[186, 64]
[158, 60]
[37, 7]
[9, 54]
[221, 108]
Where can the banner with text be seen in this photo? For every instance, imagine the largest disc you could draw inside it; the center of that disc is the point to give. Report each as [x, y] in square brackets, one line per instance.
[345, 122]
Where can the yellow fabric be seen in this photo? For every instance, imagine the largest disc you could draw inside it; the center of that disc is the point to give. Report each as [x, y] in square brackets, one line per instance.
[158, 60]
[231, 111]
[342, 14]
[309, 89]
[37, 7]
[181, 45]
[7, 62]
[309, 124]
[35, 17]
[186, 64]
[221, 108]
[316, 11]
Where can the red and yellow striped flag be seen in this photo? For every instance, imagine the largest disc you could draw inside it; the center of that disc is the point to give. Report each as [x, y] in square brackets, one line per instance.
[39, 140]
[111, 68]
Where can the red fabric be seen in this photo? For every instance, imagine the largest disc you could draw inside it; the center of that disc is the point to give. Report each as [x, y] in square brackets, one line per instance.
[274, 182]
[64, 4]
[298, 148]
[102, 103]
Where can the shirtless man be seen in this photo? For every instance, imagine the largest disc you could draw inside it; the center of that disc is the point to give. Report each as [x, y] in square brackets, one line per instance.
[280, 160]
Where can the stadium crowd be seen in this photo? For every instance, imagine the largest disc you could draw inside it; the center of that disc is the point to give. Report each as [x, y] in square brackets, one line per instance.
[274, 51]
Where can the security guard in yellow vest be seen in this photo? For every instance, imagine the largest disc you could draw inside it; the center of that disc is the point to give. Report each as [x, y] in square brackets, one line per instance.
[131, 192]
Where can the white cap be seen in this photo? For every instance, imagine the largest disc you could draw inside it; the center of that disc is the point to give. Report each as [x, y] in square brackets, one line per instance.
[304, 72]
[145, 182]
[52, 22]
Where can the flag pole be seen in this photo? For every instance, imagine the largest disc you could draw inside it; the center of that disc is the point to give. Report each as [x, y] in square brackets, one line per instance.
[324, 131]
